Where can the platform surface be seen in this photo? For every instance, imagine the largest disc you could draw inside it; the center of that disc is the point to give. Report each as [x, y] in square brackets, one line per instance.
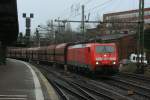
[22, 81]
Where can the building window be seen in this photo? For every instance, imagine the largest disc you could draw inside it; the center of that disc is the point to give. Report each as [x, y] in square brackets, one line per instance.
[147, 13]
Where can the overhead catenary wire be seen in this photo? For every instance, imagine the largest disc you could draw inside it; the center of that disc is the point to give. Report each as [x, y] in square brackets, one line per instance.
[88, 1]
[99, 10]
[99, 5]
[75, 3]
[85, 2]
[94, 10]
[91, 9]
[102, 6]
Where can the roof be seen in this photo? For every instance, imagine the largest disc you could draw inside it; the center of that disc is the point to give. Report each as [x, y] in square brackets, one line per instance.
[113, 36]
[63, 45]
[8, 21]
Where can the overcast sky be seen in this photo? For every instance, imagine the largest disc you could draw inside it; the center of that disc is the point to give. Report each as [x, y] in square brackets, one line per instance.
[45, 10]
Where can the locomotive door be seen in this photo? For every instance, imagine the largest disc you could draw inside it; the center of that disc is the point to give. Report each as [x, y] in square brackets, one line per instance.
[88, 56]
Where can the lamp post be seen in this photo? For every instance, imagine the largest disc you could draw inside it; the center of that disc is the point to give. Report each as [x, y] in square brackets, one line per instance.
[28, 25]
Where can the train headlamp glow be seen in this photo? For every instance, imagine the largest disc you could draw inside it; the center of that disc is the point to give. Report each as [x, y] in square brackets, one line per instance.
[114, 62]
[97, 63]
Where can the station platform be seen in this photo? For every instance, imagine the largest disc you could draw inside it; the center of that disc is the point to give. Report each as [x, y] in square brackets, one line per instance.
[22, 81]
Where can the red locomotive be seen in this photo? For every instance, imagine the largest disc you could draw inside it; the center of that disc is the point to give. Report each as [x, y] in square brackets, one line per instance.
[89, 57]
[95, 57]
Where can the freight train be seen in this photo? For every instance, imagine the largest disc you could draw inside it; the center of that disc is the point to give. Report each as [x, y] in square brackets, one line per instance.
[99, 58]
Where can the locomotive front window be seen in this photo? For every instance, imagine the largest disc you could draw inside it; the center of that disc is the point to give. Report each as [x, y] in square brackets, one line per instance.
[104, 49]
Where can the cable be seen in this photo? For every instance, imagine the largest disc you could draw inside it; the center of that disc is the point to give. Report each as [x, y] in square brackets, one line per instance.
[134, 5]
[116, 5]
[88, 1]
[75, 2]
[93, 8]
[99, 5]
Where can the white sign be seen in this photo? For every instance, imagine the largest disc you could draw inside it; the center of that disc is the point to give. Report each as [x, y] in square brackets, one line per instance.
[133, 58]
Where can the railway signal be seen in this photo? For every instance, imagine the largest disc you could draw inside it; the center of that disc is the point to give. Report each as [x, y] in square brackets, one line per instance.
[28, 25]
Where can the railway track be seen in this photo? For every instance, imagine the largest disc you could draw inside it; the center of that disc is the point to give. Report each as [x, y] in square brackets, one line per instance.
[67, 90]
[74, 94]
[77, 91]
[133, 84]
[102, 91]
[74, 86]
[61, 93]
[138, 77]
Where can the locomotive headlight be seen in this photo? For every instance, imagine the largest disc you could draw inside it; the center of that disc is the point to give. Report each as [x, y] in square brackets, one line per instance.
[97, 63]
[114, 62]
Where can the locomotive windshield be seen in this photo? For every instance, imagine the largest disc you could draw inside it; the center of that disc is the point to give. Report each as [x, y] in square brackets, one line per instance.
[104, 49]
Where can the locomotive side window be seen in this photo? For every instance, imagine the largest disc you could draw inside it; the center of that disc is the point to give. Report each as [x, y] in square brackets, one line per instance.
[104, 49]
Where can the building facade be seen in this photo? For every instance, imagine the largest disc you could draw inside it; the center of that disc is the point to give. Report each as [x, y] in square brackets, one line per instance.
[126, 16]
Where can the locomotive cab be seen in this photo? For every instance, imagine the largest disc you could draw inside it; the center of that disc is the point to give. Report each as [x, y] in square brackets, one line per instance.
[106, 57]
